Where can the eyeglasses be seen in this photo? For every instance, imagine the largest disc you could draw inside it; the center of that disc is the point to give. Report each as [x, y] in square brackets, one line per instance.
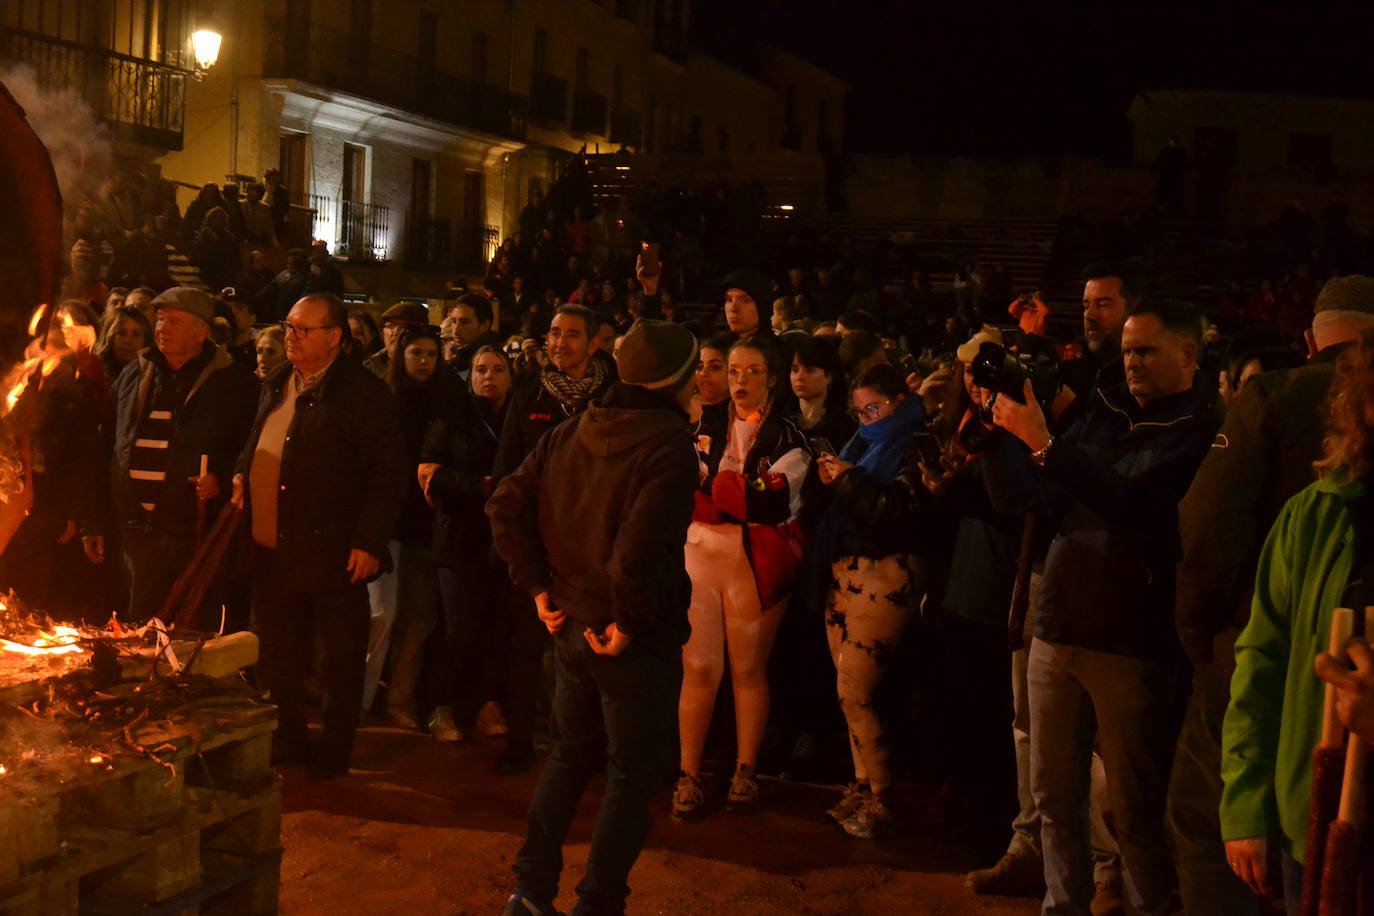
[300, 330]
[748, 372]
[869, 410]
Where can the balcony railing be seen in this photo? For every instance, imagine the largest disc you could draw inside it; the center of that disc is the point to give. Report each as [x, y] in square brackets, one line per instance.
[627, 128]
[355, 231]
[142, 100]
[548, 98]
[435, 243]
[333, 58]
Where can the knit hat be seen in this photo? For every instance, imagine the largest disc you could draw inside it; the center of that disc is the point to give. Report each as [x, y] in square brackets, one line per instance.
[187, 299]
[656, 354]
[967, 351]
[759, 287]
[1354, 293]
[408, 312]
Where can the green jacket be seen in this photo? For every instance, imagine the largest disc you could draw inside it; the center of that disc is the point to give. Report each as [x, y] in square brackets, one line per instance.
[1274, 720]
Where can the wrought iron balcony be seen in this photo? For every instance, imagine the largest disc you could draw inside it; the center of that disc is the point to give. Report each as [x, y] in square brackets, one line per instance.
[335, 59]
[141, 100]
[589, 113]
[355, 231]
[548, 98]
[435, 243]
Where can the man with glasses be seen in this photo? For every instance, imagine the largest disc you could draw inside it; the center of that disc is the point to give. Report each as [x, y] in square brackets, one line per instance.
[178, 400]
[325, 473]
[395, 320]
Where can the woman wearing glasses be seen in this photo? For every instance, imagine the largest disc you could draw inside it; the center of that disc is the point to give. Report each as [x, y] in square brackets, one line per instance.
[743, 549]
[868, 536]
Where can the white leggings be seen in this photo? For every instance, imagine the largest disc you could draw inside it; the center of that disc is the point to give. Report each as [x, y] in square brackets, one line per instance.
[725, 614]
[869, 606]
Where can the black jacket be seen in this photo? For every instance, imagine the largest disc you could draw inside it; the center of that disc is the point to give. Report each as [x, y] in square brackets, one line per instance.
[463, 443]
[214, 420]
[1261, 457]
[343, 473]
[1110, 490]
[461, 364]
[532, 412]
[611, 546]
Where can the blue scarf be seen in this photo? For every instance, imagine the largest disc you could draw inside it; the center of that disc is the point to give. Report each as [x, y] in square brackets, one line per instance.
[881, 448]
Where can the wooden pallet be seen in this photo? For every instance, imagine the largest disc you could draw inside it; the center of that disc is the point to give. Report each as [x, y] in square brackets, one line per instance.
[203, 837]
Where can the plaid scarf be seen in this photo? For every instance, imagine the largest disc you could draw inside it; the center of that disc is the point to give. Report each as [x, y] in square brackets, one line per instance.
[573, 393]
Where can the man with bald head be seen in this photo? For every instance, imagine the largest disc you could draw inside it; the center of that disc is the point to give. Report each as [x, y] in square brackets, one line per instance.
[181, 398]
[324, 474]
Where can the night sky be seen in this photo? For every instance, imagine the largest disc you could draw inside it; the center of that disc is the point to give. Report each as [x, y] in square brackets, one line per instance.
[1042, 77]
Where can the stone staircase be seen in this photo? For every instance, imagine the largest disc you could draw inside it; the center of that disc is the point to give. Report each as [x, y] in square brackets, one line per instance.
[182, 271]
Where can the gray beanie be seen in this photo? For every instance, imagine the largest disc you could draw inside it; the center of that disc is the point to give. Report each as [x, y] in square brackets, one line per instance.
[656, 354]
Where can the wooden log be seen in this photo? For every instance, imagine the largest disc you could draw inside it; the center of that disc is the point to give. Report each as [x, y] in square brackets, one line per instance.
[1328, 764]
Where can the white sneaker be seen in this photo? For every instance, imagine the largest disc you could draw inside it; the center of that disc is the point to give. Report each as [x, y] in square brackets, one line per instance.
[442, 726]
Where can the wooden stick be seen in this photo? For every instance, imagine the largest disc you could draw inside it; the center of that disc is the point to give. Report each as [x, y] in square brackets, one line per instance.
[1342, 627]
[200, 503]
[1353, 796]
[183, 581]
[1326, 786]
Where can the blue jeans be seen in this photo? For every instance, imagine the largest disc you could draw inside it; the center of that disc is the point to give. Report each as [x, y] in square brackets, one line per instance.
[626, 703]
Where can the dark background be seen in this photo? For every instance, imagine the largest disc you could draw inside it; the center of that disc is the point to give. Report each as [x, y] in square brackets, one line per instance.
[1041, 77]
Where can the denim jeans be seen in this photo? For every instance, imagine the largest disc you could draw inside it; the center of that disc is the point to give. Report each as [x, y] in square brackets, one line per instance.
[633, 697]
[1128, 703]
[1205, 880]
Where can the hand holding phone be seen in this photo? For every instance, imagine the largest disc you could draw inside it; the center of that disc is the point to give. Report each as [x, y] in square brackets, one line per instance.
[821, 447]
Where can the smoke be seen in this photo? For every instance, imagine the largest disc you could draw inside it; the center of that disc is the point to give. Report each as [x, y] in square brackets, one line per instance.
[78, 143]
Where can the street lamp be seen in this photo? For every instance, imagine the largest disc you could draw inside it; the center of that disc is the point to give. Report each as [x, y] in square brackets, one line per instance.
[205, 42]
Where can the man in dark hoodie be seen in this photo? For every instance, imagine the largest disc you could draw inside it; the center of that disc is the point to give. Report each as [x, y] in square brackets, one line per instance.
[592, 524]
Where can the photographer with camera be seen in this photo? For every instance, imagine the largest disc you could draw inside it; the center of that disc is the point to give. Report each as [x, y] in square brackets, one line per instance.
[1104, 657]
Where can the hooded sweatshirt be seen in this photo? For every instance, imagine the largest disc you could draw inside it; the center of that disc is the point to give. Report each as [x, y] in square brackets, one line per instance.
[597, 516]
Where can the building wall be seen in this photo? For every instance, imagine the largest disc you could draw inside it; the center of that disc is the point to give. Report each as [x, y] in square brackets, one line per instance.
[725, 99]
[811, 89]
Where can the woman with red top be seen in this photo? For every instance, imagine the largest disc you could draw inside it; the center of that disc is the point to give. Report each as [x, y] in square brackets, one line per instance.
[743, 550]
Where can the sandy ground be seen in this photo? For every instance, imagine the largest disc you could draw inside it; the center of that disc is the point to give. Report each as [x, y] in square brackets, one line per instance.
[424, 828]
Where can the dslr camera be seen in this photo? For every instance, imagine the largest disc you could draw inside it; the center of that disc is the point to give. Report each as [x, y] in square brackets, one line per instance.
[1005, 372]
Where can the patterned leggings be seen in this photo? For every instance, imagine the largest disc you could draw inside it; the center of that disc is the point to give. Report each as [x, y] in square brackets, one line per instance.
[870, 602]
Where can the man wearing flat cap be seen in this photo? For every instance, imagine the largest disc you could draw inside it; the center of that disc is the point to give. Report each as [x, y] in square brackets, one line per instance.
[1261, 457]
[592, 525]
[177, 400]
[394, 321]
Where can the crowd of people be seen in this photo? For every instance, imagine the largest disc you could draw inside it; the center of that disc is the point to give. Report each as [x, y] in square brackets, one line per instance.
[890, 522]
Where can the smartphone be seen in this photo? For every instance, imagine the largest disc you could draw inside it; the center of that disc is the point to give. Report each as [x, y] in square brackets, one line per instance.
[909, 364]
[650, 259]
[821, 446]
[928, 447]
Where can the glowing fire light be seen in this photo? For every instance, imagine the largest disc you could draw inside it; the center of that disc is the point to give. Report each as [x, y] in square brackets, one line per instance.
[98, 759]
[3, 771]
[57, 641]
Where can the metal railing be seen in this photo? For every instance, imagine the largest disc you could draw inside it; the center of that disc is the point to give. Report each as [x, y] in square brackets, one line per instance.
[437, 244]
[355, 231]
[141, 100]
[334, 58]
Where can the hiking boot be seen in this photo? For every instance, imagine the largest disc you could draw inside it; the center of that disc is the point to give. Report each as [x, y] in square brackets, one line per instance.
[490, 721]
[1108, 899]
[442, 726]
[1014, 875]
[744, 791]
[520, 905]
[689, 801]
[872, 818]
[854, 795]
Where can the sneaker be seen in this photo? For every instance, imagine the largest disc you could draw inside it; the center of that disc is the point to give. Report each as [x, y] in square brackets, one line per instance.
[854, 795]
[1108, 899]
[442, 726]
[871, 819]
[1019, 875]
[520, 905]
[688, 798]
[744, 791]
[490, 721]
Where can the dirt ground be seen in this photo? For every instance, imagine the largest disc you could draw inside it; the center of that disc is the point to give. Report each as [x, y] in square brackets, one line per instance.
[423, 828]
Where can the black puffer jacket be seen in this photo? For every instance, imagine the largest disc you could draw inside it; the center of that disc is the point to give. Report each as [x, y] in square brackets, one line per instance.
[343, 473]
[464, 445]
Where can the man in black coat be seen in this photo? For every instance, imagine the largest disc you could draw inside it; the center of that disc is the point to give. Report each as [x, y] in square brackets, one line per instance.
[179, 400]
[561, 390]
[592, 525]
[325, 474]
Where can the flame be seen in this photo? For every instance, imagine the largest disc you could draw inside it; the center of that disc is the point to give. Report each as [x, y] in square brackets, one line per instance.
[3, 771]
[59, 640]
[36, 318]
